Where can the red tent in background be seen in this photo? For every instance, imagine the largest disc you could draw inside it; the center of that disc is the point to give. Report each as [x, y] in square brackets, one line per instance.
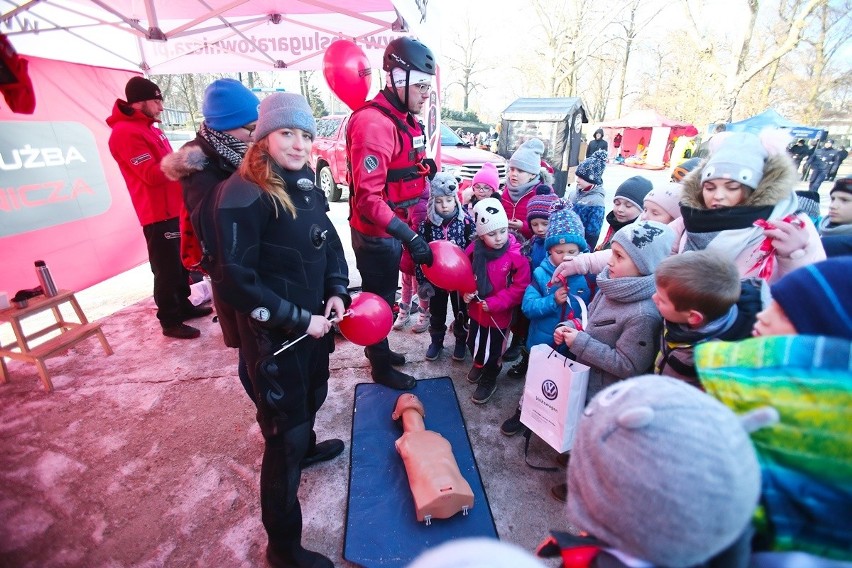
[647, 137]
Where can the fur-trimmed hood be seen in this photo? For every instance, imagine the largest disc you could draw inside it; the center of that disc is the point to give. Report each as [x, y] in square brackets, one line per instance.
[779, 181]
[188, 160]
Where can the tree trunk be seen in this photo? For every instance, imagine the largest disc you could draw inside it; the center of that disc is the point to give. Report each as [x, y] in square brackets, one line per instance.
[813, 111]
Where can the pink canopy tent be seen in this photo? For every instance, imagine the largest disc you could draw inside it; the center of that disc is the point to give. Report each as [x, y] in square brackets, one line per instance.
[81, 54]
[648, 129]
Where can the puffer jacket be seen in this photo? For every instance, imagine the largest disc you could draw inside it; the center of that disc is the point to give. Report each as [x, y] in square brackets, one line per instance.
[540, 306]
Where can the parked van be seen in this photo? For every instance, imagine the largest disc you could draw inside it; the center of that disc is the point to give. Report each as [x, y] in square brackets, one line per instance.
[328, 156]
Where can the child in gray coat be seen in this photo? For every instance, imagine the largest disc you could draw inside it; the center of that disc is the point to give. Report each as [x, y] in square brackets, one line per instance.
[620, 340]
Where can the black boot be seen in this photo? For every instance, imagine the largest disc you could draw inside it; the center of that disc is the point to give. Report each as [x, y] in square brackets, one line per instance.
[396, 359]
[384, 374]
[486, 388]
[435, 347]
[519, 369]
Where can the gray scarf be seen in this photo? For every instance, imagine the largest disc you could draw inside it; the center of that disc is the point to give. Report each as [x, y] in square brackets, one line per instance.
[628, 289]
[829, 229]
[515, 193]
[230, 148]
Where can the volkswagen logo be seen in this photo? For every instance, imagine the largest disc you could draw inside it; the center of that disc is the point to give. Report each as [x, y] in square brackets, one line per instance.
[549, 390]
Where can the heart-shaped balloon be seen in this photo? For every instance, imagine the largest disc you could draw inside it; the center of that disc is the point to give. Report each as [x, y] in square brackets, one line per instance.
[367, 321]
[451, 269]
[347, 72]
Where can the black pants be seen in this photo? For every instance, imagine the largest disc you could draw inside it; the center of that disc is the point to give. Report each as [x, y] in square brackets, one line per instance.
[171, 279]
[289, 389]
[487, 345]
[818, 175]
[377, 259]
[438, 314]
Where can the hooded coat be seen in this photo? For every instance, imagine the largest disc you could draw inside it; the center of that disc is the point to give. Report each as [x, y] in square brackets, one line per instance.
[597, 144]
[731, 230]
[200, 169]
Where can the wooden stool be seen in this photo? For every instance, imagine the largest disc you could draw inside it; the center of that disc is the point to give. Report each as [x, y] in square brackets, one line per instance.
[71, 333]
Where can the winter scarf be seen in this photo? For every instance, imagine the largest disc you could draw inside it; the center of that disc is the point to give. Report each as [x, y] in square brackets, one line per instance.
[614, 226]
[515, 193]
[224, 144]
[482, 255]
[627, 289]
[439, 219]
[828, 229]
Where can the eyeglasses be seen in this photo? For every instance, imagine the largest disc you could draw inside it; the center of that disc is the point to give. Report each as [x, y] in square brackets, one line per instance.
[481, 187]
[423, 88]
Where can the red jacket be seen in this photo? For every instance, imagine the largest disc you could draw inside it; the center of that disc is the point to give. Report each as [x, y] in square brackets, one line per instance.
[509, 276]
[138, 146]
[518, 210]
[373, 144]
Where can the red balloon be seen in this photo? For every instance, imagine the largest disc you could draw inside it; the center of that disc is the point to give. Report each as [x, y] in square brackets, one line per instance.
[452, 269]
[368, 320]
[347, 72]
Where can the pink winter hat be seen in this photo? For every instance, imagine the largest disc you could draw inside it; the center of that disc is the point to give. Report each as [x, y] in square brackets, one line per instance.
[488, 175]
[667, 197]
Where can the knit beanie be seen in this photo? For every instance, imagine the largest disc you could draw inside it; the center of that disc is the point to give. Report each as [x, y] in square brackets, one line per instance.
[843, 184]
[540, 204]
[817, 298]
[591, 169]
[444, 184]
[740, 157]
[809, 204]
[488, 175]
[284, 110]
[663, 472]
[228, 104]
[489, 215]
[527, 157]
[634, 190]
[565, 227]
[667, 197]
[647, 243]
[140, 89]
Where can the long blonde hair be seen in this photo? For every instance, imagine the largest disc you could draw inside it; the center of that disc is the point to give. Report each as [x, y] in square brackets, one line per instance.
[257, 168]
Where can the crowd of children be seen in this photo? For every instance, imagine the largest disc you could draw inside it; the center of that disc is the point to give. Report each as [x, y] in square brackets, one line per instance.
[682, 266]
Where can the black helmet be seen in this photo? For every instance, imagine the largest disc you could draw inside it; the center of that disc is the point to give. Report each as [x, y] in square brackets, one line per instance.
[680, 171]
[408, 53]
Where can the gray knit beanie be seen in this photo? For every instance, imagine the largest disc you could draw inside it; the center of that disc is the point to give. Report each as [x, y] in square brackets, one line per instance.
[662, 471]
[738, 156]
[647, 243]
[634, 190]
[527, 157]
[284, 110]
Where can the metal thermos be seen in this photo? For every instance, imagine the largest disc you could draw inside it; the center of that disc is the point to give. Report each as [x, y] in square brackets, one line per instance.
[45, 279]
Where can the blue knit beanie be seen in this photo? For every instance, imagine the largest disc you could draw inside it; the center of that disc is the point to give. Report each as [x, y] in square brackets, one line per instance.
[285, 110]
[228, 104]
[817, 298]
[565, 227]
[591, 169]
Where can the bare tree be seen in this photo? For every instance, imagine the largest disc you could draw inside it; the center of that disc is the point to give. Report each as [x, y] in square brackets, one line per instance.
[741, 69]
[467, 61]
[833, 26]
[631, 30]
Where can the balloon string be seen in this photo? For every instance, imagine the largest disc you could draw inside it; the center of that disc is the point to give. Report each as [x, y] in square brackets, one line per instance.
[500, 331]
[290, 343]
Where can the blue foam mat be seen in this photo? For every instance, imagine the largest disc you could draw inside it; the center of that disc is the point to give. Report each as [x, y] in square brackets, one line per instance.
[381, 526]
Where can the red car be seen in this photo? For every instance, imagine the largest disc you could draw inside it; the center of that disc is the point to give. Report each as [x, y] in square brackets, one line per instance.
[328, 156]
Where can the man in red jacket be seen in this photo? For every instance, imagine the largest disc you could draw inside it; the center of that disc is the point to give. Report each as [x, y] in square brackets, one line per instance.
[138, 146]
[386, 151]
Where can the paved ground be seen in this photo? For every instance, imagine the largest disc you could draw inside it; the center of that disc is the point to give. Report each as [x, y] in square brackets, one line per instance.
[151, 457]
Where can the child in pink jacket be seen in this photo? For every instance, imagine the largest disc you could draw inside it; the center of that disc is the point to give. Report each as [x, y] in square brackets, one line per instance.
[502, 275]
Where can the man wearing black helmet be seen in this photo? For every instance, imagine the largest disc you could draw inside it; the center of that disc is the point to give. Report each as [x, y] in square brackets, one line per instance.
[388, 169]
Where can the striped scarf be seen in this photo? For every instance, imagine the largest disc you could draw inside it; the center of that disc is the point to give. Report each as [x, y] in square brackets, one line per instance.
[224, 144]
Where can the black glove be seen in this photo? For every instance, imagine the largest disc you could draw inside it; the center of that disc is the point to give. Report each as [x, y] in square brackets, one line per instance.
[420, 251]
[433, 168]
[416, 245]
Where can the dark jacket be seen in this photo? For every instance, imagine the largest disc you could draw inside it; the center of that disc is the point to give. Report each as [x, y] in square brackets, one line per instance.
[596, 144]
[200, 169]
